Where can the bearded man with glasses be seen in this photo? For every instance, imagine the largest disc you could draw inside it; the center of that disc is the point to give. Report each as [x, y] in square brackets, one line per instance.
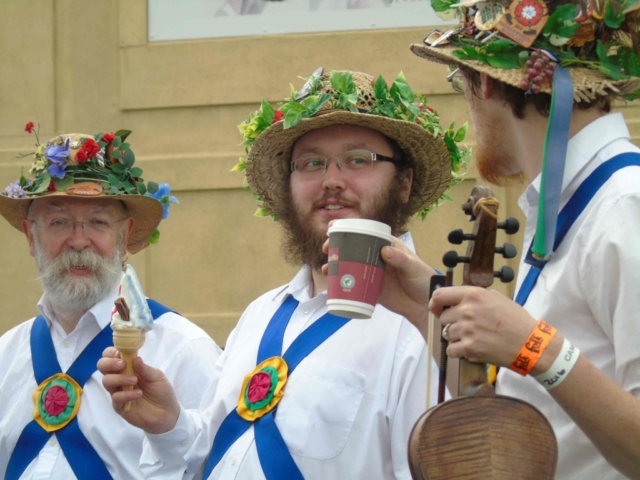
[346, 146]
[83, 209]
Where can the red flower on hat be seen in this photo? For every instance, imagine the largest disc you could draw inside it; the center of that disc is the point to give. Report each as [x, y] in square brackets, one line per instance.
[29, 127]
[108, 137]
[278, 116]
[89, 150]
[52, 187]
[529, 12]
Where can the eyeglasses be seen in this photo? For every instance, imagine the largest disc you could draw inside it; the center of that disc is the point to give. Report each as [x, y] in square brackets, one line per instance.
[456, 79]
[60, 227]
[352, 161]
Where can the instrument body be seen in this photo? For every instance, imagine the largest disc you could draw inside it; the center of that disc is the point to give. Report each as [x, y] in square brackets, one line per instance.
[481, 435]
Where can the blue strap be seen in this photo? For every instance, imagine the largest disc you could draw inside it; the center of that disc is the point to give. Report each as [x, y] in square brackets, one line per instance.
[275, 458]
[82, 457]
[572, 210]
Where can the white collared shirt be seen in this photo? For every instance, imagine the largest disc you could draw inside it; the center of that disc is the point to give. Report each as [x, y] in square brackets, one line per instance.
[183, 351]
[589, 289]
[348, 408]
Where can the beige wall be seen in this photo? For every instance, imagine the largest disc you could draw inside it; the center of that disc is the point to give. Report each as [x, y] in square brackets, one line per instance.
[85, 66]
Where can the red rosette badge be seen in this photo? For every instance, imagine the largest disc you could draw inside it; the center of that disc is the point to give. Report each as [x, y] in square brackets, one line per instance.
[262, 389]
[57, 401]
[529, 13]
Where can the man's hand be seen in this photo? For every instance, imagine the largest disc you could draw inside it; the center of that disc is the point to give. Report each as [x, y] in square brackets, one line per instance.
[485, 326]
[154, 407]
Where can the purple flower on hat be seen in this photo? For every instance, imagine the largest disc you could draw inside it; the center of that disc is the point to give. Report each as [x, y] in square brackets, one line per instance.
[14, 190]
[163, 195]
[56, 170]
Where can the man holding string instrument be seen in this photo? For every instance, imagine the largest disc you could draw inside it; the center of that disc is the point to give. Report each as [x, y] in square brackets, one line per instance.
[539, 97]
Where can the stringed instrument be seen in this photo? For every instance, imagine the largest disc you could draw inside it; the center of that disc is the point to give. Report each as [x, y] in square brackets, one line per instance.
[481, 435]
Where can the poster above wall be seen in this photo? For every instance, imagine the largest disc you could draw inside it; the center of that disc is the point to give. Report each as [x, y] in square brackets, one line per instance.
[198, 19]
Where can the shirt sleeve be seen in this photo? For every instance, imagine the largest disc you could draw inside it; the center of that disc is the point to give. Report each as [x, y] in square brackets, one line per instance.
[610, 274]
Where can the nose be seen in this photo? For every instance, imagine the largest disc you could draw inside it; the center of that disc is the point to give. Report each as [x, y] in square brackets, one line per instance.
[333, 177]
[78, 237]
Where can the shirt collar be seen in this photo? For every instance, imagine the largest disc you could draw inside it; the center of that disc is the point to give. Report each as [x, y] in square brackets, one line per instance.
[582, 147]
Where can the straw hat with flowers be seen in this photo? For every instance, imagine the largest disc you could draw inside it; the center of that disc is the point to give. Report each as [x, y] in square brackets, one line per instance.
[596, 40]
[351, 98]
[90, 166]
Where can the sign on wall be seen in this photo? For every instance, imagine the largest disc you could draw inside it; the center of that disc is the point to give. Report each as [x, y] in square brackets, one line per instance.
[196, 19]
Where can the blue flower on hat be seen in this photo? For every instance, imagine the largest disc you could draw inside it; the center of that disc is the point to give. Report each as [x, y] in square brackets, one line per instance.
[57, 154]
[163, 195]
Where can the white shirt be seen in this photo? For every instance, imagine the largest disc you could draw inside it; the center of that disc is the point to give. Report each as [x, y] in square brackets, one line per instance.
[183, 351]
[589, 289]
[348, 408]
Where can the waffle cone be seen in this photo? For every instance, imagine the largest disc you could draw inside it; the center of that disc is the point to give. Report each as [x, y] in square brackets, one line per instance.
[128, 341]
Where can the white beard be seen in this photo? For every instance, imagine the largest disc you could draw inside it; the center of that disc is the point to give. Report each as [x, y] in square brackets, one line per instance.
[70, 293]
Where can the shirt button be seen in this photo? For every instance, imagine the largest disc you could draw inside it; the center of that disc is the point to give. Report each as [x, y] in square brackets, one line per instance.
[233, 461]
[65, 344]
[52, 441]
[183, 443]
[306, 312]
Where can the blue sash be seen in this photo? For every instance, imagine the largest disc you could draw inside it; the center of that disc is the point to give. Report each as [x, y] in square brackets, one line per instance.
[83, 459]
[571, 211]
[275, 459]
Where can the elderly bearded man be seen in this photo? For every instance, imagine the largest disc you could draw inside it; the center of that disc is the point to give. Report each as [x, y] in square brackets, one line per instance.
[350, 148]
[79, 233]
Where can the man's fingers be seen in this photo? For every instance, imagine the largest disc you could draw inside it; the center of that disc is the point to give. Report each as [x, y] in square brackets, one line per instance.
[118, 399]
[110, 365]
[111, 352]
[114, 383]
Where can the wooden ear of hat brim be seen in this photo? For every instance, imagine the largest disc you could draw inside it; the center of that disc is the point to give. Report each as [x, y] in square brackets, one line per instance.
[268, 162]
[146, 212]
[587, 83]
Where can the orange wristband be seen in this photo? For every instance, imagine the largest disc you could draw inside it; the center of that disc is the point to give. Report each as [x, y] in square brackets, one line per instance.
[533, 348]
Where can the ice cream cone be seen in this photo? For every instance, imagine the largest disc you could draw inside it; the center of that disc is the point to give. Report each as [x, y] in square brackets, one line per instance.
[128, 341]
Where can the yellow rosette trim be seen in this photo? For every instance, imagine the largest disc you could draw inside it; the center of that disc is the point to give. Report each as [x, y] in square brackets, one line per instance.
[262, 389]
[57, 401]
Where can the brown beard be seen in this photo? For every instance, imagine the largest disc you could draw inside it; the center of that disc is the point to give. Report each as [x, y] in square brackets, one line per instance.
[302, 245]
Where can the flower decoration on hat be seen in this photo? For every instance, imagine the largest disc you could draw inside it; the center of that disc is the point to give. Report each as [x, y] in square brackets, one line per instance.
[83, 165]
[57, 401]
[347, 92]
[262, 389]
[598, 38]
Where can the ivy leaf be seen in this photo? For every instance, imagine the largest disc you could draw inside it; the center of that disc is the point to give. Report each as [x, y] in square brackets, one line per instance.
[347, 100]
[294, 114]
[612, 71]
[44, 185]
[504, 60]
[467, 53]
[118, 168]
[123, 134]
[152, 187]
[613, 15]
[63, 183]
[602, 51]
[125, 146]
[117, 141]
[135, 172]
[629, 61]
[380, 89]
[342, 82]
[268, 114]
[116, 153]
[387, 109]
[404, 91]
[461, 133]
[154, 238]
[113, 180]
[98, 136]
[23, 180]
[129, 188]
[141, 188]
[441, 5]
[501, 45]
[562, 22]
[129, 158]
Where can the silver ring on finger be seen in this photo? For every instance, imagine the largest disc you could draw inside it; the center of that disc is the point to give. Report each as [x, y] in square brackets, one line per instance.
[445, 332]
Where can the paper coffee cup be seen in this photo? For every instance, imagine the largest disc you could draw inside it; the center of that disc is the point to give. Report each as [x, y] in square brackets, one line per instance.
[356, 269]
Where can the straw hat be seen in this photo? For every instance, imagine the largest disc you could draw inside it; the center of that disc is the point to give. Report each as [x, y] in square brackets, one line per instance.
[569, 35]
[431, 150]
[84, 166]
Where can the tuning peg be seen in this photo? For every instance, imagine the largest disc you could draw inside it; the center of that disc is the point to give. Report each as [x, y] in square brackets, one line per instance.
[451, 259]
[510, 225]
[458, 236]
[505, 274]
[507, 250]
